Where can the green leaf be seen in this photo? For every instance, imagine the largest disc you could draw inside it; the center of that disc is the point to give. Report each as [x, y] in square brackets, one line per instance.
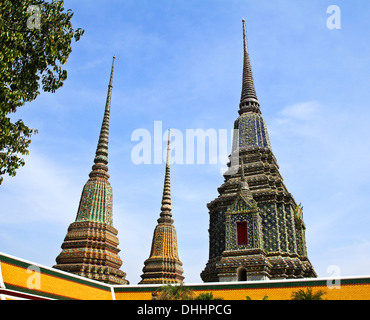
[26, 56]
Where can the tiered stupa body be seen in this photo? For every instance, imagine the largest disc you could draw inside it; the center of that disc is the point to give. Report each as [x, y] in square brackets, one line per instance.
[90, 248]
[256, 229]
[163, 265]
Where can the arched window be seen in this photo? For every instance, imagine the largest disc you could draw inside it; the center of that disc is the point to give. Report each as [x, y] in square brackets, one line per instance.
[242, 274]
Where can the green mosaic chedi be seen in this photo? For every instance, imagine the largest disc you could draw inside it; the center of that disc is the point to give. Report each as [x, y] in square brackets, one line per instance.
[90, 248]
[256, 229]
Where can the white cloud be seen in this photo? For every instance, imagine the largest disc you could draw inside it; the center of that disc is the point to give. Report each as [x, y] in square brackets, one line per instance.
[41, 191]
[302, 119]
[301, 111]
[351, 259]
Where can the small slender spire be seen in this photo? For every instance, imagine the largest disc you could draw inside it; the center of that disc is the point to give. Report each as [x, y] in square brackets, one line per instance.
[100, 168]
[248, 100]
[244, 187]
[243, 177]
[166, 213]
[163, 265]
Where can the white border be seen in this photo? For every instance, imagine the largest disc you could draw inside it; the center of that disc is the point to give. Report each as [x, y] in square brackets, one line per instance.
[2, 284]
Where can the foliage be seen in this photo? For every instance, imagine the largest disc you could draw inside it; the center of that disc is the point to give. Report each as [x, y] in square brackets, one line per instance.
[35, 39]
[177, 292]
[308, 295]
[207, 296]
[264, 298]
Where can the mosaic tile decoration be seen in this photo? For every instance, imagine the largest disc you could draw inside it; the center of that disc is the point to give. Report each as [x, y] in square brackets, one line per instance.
[90, 248]
[163, 265]
[275, 227]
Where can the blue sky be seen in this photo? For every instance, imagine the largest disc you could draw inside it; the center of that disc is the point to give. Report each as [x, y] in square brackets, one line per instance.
[180, 62]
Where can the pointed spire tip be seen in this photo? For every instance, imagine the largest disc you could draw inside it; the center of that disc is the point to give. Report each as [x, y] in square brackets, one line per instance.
[248, 100]
[101, 154]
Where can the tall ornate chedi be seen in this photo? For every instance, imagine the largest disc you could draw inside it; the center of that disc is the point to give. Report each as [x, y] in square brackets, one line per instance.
[163, 265]
[256, 229]
[90, 246]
